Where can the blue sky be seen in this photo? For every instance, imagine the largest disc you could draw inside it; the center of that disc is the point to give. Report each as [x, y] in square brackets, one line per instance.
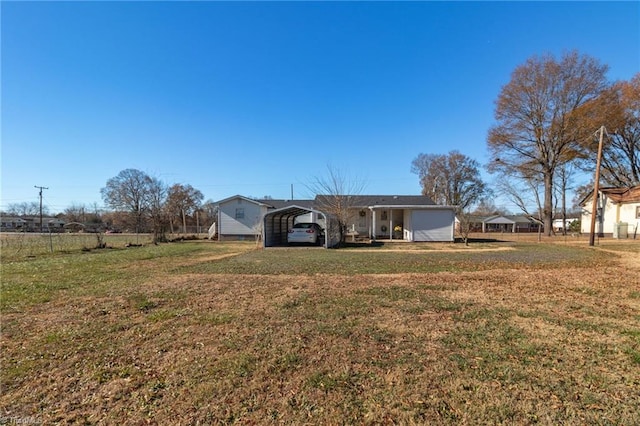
[253, 97]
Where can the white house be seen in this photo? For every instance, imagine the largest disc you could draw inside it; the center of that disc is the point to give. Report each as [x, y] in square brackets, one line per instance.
[383, 217]
[617, 212]
[240, 218]
[391, 217]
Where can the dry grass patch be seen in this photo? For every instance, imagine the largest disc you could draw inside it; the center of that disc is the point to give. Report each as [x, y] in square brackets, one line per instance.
[186, 339]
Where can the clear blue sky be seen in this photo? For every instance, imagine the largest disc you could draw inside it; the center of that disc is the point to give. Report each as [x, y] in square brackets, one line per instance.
[251, 97]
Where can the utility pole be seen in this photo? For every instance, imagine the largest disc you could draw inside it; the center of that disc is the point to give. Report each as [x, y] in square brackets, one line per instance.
[596, 188]
[40, 194]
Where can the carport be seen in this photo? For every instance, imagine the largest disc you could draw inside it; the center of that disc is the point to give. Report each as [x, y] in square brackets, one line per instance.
[276, 225]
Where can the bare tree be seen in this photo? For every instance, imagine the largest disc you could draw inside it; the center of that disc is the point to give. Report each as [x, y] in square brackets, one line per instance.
[129, 192]
[452, 179]
[157, 209]
[564, 178]
[487, 207]
[184, 200]
[337, 194]
[618, 109]
[26, 209]
[535, 127]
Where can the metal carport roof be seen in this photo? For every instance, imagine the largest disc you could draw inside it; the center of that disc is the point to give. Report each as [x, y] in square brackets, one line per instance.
[276, 224]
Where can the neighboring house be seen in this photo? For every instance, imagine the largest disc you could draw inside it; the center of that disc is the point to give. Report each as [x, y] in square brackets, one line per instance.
[239, 218]
[392, 217]
[31, 224]
[617, 212]
[53, 225]
[12, 223]
[557, 223]
[503, 223]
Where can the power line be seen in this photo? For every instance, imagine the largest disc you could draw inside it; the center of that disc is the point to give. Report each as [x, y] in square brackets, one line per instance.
[40, 195]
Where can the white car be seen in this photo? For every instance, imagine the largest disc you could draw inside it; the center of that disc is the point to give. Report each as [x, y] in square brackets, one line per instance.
[306, 232]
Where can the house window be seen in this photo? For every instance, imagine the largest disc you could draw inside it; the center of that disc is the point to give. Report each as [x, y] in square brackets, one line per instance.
[638, 212]
[240, 213]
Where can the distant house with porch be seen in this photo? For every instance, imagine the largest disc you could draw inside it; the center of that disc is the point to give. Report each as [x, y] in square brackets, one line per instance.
[30, 224]
[13, 224]
[503, 223]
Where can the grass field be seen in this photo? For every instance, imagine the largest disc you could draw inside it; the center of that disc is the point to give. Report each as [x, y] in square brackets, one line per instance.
[511, 332]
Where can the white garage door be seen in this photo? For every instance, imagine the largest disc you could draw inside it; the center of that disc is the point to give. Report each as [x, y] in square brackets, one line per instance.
[432, 225]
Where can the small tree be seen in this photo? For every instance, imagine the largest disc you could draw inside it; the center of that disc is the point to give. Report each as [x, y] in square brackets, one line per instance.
[337, 194]
[184, 200]
[157, 209]
[464, 225]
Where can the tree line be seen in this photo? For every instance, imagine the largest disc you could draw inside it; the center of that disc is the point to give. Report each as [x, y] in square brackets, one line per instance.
[547, 119]
[147, 204]
[136, 202]
[547, 122]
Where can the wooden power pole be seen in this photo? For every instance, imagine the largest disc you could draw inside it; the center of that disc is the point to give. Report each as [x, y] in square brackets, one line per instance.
[596, 188]
[40, 194]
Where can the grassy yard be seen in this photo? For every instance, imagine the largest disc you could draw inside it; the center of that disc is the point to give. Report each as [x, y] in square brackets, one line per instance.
[204, 332]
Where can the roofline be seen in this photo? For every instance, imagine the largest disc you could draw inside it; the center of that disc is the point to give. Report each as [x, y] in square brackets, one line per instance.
[294, 206]
[244, 198]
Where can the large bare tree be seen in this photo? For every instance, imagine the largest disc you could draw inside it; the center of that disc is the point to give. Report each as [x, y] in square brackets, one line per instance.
[618, 109]
[535, 132]
[129, 192]
[451, 179]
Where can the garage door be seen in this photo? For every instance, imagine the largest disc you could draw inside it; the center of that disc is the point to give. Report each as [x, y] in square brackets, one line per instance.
[432, 225]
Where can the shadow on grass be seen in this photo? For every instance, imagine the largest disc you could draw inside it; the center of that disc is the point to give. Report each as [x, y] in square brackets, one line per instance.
[480, 240]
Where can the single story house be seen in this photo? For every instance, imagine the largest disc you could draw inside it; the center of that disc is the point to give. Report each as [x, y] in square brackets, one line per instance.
[617, 212]
[12, 223]
[503, 223]
[31, 224]
[399, 217]
[557, 223]
[392, 217]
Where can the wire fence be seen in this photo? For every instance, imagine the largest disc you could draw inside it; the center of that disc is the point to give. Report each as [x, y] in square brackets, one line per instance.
[28, 244]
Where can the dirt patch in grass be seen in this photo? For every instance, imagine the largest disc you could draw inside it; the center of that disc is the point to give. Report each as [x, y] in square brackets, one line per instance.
[521, 345]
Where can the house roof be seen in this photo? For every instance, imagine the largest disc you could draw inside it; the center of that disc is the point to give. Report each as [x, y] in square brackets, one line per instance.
[623, 195]
[235, 197]
[364, 201]
[617, 195]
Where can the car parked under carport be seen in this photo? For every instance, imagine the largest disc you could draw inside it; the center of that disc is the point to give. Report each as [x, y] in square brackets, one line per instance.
[277, 223]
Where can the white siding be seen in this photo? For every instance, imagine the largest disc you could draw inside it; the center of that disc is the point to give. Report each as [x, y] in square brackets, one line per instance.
[247, 225]
[613, 214]
[432, 225]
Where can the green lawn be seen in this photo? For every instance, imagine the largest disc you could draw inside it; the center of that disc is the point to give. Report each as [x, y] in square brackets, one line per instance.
[207, 332]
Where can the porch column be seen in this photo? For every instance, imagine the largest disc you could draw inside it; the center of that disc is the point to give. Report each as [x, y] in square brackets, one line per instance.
[373, 225]
[390, 224]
